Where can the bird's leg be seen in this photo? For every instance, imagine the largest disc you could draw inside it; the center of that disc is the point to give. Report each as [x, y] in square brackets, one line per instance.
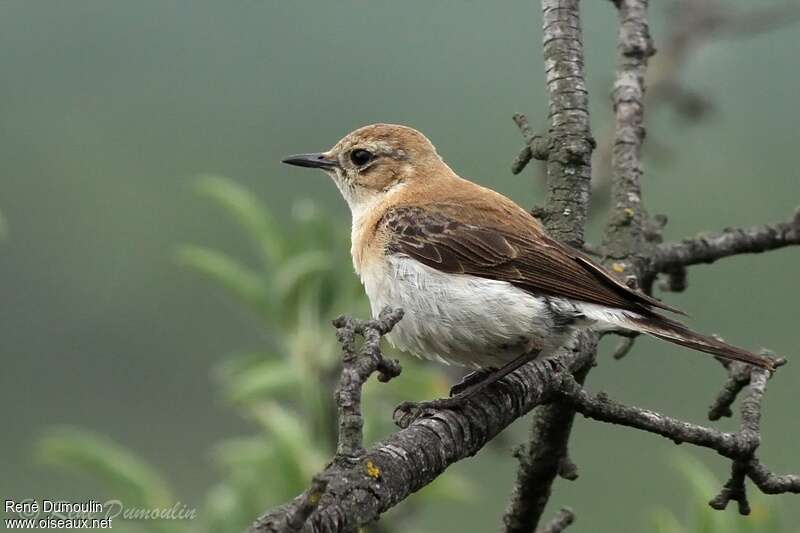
[473, 378]
[407, 412]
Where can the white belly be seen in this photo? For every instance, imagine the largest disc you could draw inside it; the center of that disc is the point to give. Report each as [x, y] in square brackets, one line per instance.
[459, 319]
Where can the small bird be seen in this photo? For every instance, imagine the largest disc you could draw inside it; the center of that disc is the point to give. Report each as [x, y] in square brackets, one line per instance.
[481, 282]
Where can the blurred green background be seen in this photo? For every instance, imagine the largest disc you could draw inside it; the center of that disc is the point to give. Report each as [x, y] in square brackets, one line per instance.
[110, 111]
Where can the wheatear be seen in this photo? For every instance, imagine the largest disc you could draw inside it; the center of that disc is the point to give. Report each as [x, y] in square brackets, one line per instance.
[481, 282]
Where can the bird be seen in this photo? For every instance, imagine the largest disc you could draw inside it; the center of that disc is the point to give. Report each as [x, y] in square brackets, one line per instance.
[481, 282]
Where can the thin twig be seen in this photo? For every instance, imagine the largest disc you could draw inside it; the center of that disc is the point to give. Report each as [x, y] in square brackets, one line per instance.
[691, 25]
[536, 146]
[357, 367]
[750, 433]
[738, 378]
[561, 521]
[625, 346]
[358, 364]
[740, 447]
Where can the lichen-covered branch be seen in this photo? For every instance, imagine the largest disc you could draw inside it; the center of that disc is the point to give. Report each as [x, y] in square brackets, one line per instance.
[740, 447]
[357, 367]
[546, 454]
[570, 139]
[569, 146]
[360, 486]
[358, 364]
[691, 24]
[536, 146]
[707, 248]
[739, 376]
[624, 237]
[355, 489]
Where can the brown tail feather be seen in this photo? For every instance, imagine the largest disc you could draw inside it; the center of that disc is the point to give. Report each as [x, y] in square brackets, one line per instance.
[669, 330]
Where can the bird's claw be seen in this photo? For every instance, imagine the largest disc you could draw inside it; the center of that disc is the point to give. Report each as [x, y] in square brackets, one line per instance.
[408, 412]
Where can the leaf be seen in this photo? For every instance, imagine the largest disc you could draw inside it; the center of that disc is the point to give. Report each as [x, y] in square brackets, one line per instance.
[238, 279]
[292, 442]
[666, 522]
[248, 212]
[296, 269]
[224, 510]
[238, 362]
[243, 451]
[704, 485]
[267, 379]
[128, 477]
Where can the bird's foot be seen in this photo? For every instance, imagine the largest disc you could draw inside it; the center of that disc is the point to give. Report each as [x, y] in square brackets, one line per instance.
[473, 383]
[408, 412]
[468, 380]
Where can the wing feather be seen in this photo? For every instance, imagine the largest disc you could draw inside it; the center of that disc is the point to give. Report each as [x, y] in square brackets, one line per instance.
[538, 265]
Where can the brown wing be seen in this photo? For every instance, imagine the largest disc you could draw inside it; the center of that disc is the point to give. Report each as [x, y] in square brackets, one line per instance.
[539, 266]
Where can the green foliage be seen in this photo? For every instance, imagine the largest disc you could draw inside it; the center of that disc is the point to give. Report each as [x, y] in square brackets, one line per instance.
[129, 479]
[303, 278]
[703, 485]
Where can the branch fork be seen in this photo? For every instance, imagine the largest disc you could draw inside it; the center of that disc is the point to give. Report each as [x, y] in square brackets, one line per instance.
[740, 447]
[357, 366]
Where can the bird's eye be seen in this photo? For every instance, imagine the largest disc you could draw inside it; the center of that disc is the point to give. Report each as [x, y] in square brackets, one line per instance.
[360, 157]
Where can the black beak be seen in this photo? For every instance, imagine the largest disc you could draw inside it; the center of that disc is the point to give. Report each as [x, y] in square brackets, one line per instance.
[311, 161]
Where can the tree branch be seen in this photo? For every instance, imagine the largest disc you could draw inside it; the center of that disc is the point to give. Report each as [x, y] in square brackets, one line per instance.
[357, 367]
[731, 241]
[624, 236]
[570, 138]
[560, 522]
[739, 375]
[356, 488]
[691, 25]
[536, 146]
[360, 486]
[570, 146]
[740, 447]
[546, 454]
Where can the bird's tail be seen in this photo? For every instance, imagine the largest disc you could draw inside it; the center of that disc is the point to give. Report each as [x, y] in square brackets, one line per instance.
[672, 331]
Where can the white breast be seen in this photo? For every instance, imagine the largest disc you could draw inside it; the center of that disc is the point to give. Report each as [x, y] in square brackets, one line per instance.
[462, 319]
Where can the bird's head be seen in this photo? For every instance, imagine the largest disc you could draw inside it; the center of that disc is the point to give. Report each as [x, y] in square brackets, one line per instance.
[375, 160]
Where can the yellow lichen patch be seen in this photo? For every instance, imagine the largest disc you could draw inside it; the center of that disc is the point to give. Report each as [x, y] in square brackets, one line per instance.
[630, 212]
[373, 471]
[314, 497]
[618, 267]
